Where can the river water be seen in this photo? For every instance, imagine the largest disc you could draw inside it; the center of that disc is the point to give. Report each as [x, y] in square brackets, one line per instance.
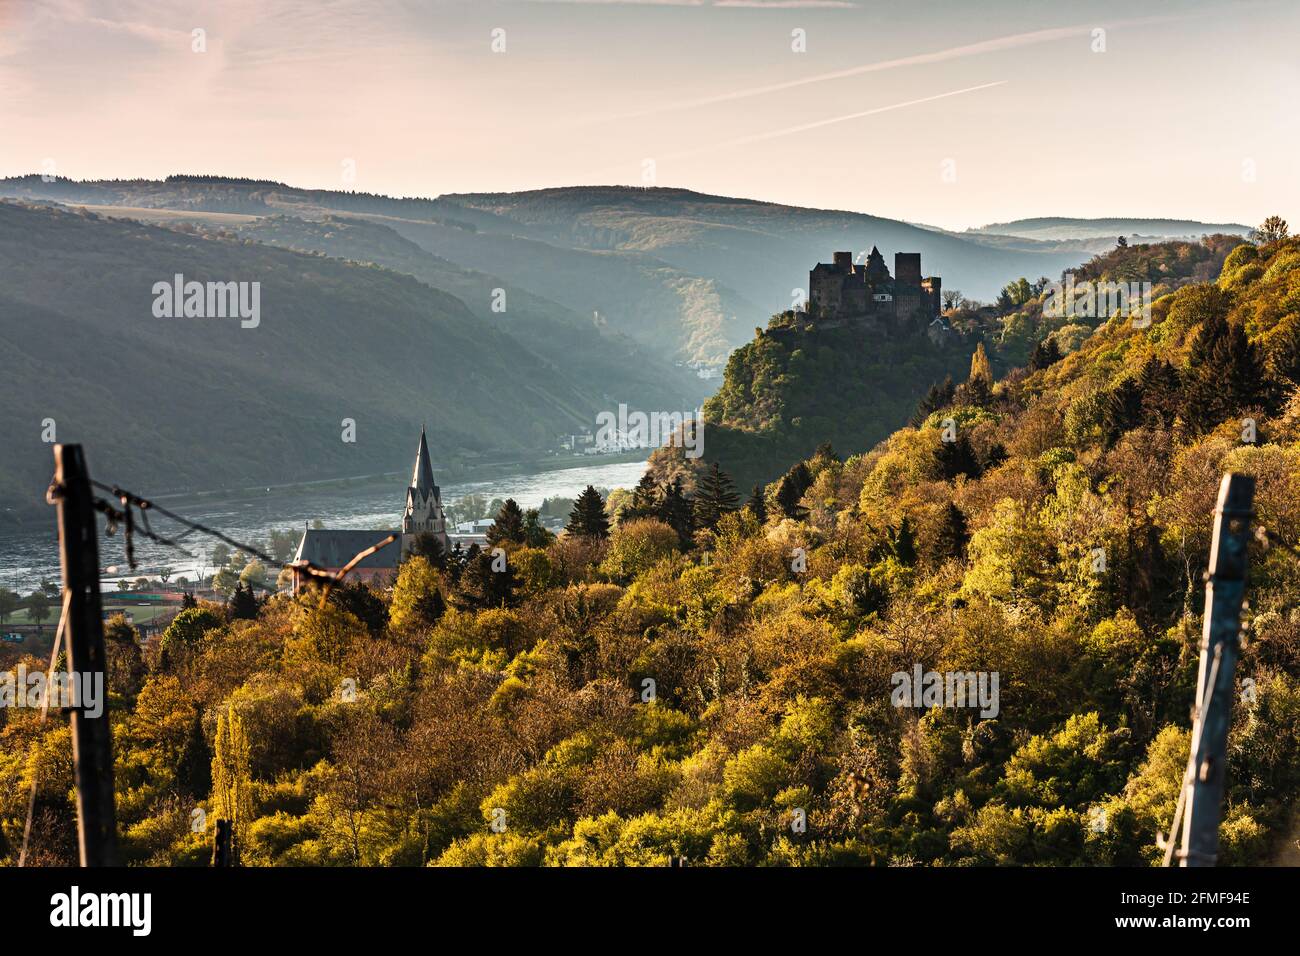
[30, 556]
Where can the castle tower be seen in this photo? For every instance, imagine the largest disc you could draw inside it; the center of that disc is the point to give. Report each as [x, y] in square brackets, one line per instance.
[424, 514]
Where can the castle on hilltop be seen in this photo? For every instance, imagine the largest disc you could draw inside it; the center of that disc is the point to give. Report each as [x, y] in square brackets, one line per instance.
[843, 289]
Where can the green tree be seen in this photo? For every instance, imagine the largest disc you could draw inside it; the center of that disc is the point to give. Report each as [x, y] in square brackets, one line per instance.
[38, 607]
[674, 509]
[645, 498]
[508, 527]
[8, 603]
[535, 534]
[588, 518]
[232, 792]
[1272, 229]
[242, 605]
[417, 595]
[715, 496]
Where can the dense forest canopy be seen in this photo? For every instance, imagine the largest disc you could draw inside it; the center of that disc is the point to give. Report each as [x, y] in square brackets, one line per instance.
[703, 672]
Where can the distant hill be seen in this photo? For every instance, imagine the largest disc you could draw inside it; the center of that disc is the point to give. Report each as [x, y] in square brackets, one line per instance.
[1057, 228]
[683, 274]
[189, 403]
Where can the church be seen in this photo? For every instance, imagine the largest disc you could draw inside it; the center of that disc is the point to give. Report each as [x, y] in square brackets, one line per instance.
[331, 549]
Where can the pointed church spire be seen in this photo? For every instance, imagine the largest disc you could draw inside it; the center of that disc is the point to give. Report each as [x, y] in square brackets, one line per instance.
[422, 478]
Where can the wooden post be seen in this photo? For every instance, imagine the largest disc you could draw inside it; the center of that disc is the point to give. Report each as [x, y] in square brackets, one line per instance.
[1225, 590]
[92, 737]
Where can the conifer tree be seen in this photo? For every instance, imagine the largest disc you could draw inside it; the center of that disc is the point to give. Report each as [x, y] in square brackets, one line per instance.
[483, 586]
[939, 396]
[756, 505]
[903, 543]
[1045, 354]
[588, 518]
[714, 497]
[790, 492]
[535, 534]
[242, 605]
[951, 535]
[957, 458]
[674, 509]
[645, 499]
[508, 526]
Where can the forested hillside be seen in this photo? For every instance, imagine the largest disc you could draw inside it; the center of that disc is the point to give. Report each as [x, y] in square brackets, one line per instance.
[201, 403]
[715, 679]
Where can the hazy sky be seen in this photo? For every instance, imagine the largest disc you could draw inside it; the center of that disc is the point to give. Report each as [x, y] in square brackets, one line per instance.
[956, 113]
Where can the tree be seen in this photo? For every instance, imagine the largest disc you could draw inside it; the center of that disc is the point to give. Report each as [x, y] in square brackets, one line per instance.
[165, 574]
[508, 527]
[756, 505]
[38, 607]
[951, 299]
[126, 669]
[417, 595]
[1121, 243]
[939, 396]
[588, 518]
[957, 458]
[253, 575]
[950, 536]
[674, 509]
[1272, 229]
[488, 582]
[979, 366]
[714, 497]
[645, 498]
[1284, 357]
[789, 493]
[220, 555]
[902, 543]
[428, 545]
[242, 605]
[535, 534]
[1046, 354]
[185, 632]
[8, 603]
[232, 795]
[224, 581]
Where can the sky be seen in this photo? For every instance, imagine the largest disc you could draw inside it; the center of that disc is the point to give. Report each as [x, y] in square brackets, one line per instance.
[954, 114]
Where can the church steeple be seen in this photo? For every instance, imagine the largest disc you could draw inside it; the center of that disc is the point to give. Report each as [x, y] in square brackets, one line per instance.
[422, 478]
[424, 514]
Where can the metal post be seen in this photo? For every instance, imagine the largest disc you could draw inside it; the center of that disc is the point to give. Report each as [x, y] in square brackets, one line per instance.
[92, 737]
[1225, 590]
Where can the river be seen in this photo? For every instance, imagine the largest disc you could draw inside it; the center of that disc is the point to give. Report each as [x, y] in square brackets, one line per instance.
[30, 556]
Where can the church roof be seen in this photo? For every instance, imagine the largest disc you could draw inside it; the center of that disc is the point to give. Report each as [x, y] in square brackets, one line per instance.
[422, 477]
[333, 548]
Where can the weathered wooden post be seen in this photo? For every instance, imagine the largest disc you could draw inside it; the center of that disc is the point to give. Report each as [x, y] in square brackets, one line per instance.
[92, 737]
[1225, 590]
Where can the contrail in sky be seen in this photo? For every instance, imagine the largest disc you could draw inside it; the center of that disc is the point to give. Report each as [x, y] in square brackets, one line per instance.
[918, 59]
[816, 124]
